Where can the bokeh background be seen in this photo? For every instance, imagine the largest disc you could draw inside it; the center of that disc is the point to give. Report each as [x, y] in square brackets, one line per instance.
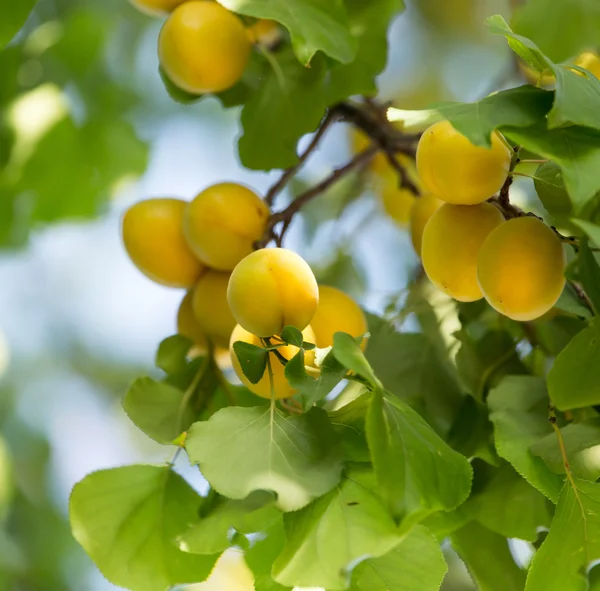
[86, 129]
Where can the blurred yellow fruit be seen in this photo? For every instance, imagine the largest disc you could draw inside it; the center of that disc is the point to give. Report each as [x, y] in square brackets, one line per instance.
[457, 171]
[211, 308]
[521, 268]
[543, 79]
[423, 208]
[337, 312]
[264, 31]
[222, 224]
[271, 289]
[203, 47]
[281, 386]
[451, 243]
[359, 142]
[231, 573]
[188, 326]
[590, 61]
[398, 202]
[154, 240]
[156, 7]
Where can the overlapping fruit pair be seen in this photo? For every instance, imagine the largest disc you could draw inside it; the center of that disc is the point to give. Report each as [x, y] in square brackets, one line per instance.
[467, 247]
[203, 47]
[235, 293]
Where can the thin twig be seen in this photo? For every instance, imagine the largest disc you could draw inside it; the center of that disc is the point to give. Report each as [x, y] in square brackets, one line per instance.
[329, 118]
[583, 297]
[288, 213]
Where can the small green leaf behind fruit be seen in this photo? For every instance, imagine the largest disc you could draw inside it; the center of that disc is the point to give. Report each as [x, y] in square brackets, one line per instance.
[253, 360]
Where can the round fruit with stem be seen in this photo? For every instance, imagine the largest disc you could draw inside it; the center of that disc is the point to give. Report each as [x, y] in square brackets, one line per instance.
[211, 308]
[153, 237]
[156, 7]
[457, 171]
[423, 208]
[222, 224]
[270, 289]
[337, 312]
[281, 387]
[452, 240]
[520, 268]
[203, 47]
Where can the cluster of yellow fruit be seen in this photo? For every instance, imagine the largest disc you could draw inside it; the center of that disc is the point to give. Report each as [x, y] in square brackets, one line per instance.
[235, 293]
[467, 248]
[203, 47]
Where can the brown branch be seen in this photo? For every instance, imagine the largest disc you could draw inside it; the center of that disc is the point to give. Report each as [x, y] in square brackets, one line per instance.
[583, 297]
[329, 118]
[288, 213]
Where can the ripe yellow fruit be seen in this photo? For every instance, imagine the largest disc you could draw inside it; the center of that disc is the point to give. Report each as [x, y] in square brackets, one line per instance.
[590, 61]
[211, 308]
[336, 312]
[521, 268]
[423, 208]
[271, 289]
[457, 171]
[154, 240]
[156, 7]
[187, 324]
[203, 47]
[264, 31]
[282, 388]
[230, 573]
[222, 224]
[397, 202]
[451, 243]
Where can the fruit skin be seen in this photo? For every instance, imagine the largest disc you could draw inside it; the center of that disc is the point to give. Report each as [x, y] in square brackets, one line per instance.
[222, 224]
[156, 7]
[153, 237]
[211, 309]
[271, 289]
[265, 32]
[282, 388]
[457, 171]
[337, 312]
[590, 61]
[203, 47]
[188, 326]
[451, 242]
[397, 201]
[423, 208]
[521, 268]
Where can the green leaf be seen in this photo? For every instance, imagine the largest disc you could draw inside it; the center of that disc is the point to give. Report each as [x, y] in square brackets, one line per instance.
[241, 450]
[126, 520]
[253, 360]
[488, 558]
[482, 363]
[410, 366]
[571, 303]
[12, 17]
[211, 534]
[529, 52]
[265, 549]
[592, 230]
[521, 517]
[289, 104]
[313, 25]
[572, 544]
[550, 187]
[574, 380]
[172, 352]
[588, 273]
[417, 472]
[561, 29]
[347, 351]
[416, 563]
[160, 410]
[177, 94]
[576, 97]
[517, 107]
[313, 390]
[327, 538]
[292, 336]
[349, 422]
[582, 443]
[369, 23]
[575, 149]
[519, 411]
